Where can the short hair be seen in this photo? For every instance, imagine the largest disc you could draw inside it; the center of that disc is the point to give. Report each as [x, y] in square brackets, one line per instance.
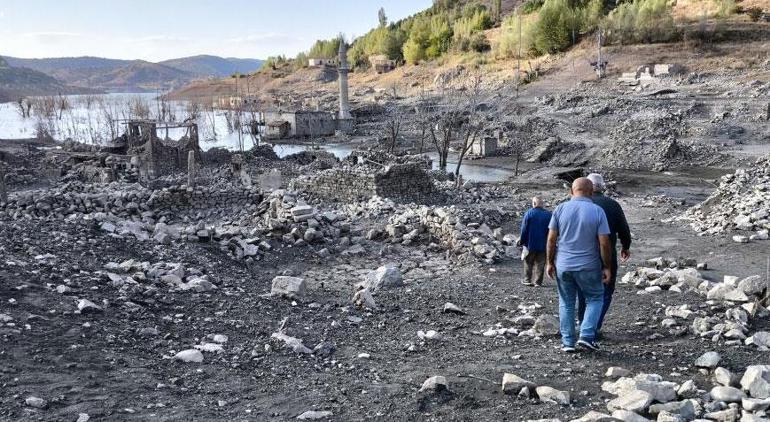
[598, 181]
[537, 201]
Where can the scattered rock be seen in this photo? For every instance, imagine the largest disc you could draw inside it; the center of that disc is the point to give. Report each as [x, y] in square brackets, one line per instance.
[189, 355]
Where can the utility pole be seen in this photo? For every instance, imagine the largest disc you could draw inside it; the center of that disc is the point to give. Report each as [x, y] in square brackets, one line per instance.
[518, 60]
[599, 62]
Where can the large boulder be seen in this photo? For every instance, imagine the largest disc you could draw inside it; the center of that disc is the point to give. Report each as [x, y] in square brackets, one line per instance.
[636, 401]
[383, 277]
[512, 384]
[291, 287]
[756, 380]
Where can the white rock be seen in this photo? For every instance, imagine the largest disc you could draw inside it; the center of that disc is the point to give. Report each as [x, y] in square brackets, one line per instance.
[727, 394]
[435, 383]
[294, 343]
[83, 417]
[210, 348]
[512, 383]
[552, 395]
[708, 360]
[616, 372]
[85, 306]
[755, 405]
[546, 325]
[383, 277]
[291, 287]
[36, 402]
[429, 335]
[635, 401]
[315, 414]
[628, 416]
[723, 376]
[740, 239]
[756, 380]
[189, 355]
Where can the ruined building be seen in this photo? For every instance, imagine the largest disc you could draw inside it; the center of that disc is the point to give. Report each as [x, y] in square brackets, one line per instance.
[151, 155]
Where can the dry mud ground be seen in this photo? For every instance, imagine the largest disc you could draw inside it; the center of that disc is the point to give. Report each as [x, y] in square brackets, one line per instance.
[99, 364]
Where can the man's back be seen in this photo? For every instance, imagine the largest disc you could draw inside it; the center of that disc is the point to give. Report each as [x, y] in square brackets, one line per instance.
[534, 229]
[616, 220]
[579, 223]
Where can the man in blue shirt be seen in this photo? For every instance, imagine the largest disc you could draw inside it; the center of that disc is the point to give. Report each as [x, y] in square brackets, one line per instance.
[534, 233]
[578, 255]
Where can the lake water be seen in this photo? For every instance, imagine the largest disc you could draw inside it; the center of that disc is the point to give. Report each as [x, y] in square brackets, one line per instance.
[86, 119]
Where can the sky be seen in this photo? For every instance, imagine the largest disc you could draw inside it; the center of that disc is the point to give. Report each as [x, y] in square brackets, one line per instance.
[156, 30]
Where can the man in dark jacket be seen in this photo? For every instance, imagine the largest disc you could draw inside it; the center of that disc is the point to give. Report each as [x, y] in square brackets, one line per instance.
[618, 230]
[534, 234]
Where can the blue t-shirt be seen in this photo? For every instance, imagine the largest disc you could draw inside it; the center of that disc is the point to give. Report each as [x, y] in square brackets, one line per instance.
[534, 229]
[580, 223]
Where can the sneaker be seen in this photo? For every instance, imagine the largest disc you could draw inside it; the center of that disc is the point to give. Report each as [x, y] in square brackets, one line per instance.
[526, 282]
[590, 345]
[567, 349]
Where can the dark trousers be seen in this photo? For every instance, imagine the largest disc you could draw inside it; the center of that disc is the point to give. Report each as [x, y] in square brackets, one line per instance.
[609, 289]
[534, 264]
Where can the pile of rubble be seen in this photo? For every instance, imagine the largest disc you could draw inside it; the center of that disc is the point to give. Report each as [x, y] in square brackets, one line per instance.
[730, 304]
[451, 229]
[124, 200]
[739, 203]
[144, 279]
[647, 397]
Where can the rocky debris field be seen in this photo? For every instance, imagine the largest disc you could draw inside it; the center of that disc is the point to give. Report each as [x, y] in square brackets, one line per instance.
[292, 307]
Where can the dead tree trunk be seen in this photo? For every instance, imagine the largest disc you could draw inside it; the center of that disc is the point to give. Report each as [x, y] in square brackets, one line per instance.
[3, 191]
[191, 168]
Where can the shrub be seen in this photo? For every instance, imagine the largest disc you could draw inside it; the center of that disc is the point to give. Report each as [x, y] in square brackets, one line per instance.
[646, 21]
[479, 43]
[556, 25]
[507, 45]
[531, 6]
[755, 13]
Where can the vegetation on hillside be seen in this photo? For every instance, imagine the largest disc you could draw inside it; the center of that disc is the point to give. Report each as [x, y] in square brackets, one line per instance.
[537, 27]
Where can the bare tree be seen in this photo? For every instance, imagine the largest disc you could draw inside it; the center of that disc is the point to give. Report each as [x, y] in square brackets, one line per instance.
[25, 107]
[458, 118]
[520, 139]
[393, 122]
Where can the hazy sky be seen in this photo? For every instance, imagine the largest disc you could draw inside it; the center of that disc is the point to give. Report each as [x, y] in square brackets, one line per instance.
[162, 29]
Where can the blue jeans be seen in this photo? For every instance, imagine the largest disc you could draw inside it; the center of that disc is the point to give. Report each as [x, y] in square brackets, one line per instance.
[609, 289]
[589, 283]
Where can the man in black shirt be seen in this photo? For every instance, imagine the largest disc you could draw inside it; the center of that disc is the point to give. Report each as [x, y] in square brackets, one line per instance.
[618, 230]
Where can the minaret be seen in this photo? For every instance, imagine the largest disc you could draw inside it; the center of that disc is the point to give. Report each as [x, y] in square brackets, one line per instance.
[343, 71]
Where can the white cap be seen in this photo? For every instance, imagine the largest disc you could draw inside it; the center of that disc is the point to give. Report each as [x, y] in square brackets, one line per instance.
[597, 180]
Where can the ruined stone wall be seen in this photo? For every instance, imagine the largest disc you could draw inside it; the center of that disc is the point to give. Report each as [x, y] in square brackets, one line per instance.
[77, 198]
[403, 182]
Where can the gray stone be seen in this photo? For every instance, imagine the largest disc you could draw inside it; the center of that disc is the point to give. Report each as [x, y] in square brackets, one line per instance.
[546, 325]
[291, 287]
[616, 372]
[684, 408]
[688, 390]
[755, 405]
[512, 383]
[435, 384]
[753, 285]
[383, 277]
[36, 402]
[727, 394]
[759, 339]
[594, 416]
[451, 308]
[315, 414]
[723, 376]
[756, 380]
[552, 395]
[85, 306]
[628, 416]
[637, 401]
[708, 360]
[189, 355]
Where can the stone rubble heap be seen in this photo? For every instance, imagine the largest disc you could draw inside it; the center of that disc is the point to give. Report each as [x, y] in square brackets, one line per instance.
[729, 307]
[449, 228]
[145, 279]
[647, 397]
[741, 202]
[122, 200]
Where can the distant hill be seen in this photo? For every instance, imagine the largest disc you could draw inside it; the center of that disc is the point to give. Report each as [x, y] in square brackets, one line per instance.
[213, 65]
[18, 82]
[134, 75]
